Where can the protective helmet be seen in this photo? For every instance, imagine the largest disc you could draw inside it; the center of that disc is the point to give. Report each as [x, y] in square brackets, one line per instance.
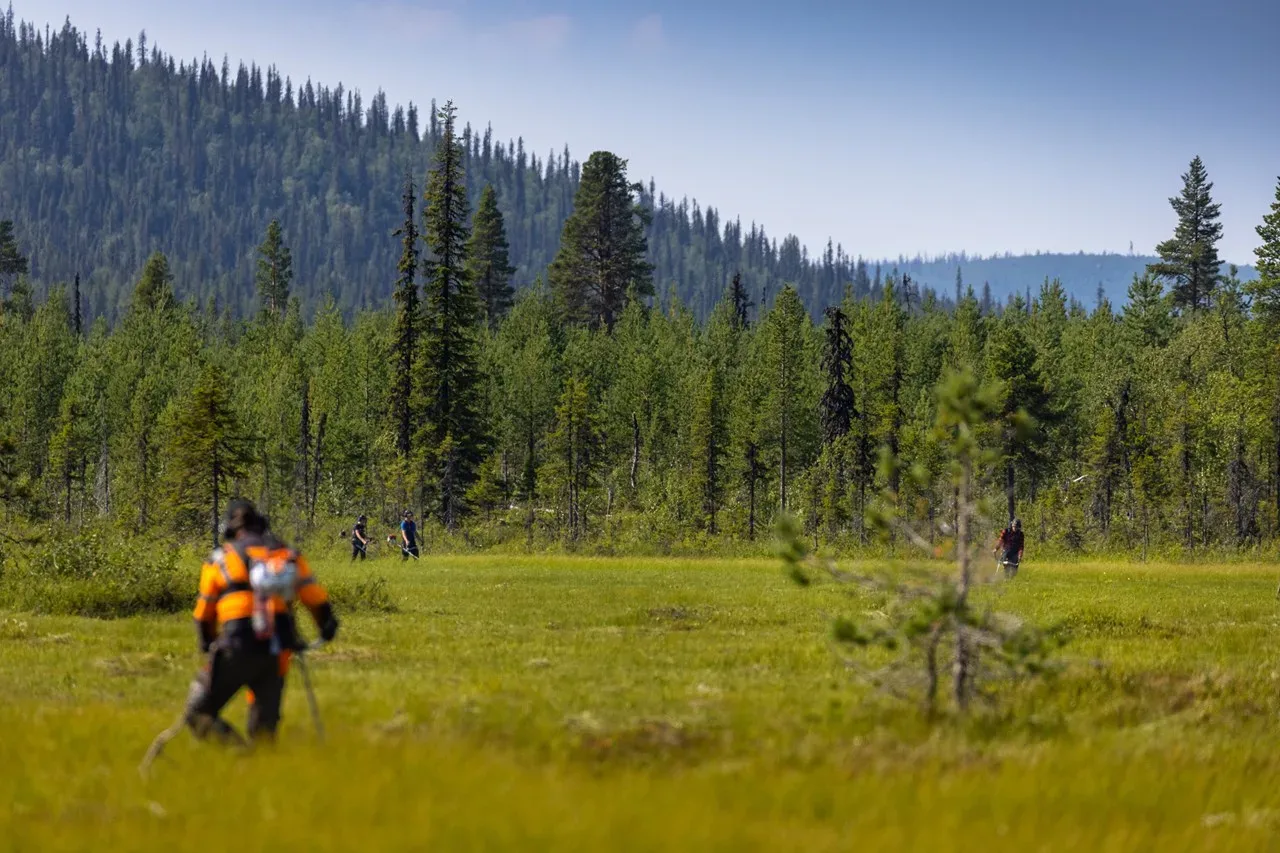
[242, 515]
[362, 519]
[1017, 524]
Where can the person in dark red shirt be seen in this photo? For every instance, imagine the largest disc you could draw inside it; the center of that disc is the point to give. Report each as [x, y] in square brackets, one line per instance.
[1009, 547]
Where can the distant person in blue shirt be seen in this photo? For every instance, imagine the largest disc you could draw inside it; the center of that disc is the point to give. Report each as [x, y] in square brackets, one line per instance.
[408, 536]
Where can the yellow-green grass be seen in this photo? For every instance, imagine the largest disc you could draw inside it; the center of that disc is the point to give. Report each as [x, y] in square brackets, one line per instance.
[612, 704]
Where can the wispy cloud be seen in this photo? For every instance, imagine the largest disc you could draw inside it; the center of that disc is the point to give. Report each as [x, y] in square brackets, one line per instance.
[546, 33]
[647, 34]
[411, 22]
[444, 20]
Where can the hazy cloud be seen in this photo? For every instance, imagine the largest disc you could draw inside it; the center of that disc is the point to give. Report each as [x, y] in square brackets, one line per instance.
[409, 21]
[647, 34]
[548, 33]
[443, 20]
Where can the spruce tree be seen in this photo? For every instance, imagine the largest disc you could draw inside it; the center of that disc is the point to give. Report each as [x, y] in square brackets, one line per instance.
[15, 484]
[602, 249]
[753, 473]
[708, 434]
[573, 456]
[964, 348]
[789, 410]
[408, 322]
[154, 291]
[209, 450]
[12, 262]
[69, 447]
[487, 261]
[274, 271]
[1265, 290]
[76, 319]
[1026, 408]
[1189, 259]
[741, 302]
[455, 431]
[1147, 321]
[837, 360]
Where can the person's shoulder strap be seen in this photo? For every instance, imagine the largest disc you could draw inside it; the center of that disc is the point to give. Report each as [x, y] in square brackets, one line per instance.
[226, 567]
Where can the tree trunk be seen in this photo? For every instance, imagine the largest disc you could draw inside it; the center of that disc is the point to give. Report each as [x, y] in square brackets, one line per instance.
[782, 473]
[1189, 486]
[635, 452]
[102, 480]
[931, 670]
[316, 468]
[964, 653]
[1276, 474]
[84, 486]
[862, 510]
[144, 459]
[1010, 489]
[217, 475]
[530, 483]
[304, 443]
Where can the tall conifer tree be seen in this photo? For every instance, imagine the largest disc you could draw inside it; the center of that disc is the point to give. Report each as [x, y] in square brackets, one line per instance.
[209, 450]
[487, 259]
[837, 360]
[12, 262]
[408, 321]
[274, 271]
[455, 431]
[708, 433]
[1190, 257]
[1265, 290]
[1266, 304]
[602, 250]
[741, 302]
[76, 319]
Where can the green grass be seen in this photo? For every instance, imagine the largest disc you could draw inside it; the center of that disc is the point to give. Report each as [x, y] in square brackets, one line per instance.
[596, 704]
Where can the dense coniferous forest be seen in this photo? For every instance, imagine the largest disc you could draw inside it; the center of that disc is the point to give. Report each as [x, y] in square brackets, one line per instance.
[109, 153]
[587, 407]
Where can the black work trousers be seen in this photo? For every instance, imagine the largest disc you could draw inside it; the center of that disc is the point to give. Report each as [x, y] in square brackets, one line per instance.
[226, 672]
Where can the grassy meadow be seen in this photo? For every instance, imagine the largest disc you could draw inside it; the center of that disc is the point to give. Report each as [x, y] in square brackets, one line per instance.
[567, 703]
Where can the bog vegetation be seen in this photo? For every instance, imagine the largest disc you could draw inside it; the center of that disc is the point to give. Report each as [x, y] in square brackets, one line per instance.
[576, 703]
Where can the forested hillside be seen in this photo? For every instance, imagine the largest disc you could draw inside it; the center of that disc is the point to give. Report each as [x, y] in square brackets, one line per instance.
[110, 153]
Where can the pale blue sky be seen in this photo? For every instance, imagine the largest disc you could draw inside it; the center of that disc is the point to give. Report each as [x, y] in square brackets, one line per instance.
[933, 126]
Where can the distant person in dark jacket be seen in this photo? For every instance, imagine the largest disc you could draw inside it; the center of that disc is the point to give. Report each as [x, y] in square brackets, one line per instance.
[1009, 547]
[360, 539]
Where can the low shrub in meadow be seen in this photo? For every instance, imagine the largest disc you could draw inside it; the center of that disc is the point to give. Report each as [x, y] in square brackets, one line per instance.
[95, 572]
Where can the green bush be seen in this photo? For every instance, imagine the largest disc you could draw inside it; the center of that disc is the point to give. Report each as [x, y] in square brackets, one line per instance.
[95, 572]
[370, 595]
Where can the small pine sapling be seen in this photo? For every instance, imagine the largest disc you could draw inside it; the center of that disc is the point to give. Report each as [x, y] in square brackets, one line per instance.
[917, 615]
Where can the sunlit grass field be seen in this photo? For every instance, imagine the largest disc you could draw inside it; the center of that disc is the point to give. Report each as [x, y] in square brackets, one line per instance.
[554, 703]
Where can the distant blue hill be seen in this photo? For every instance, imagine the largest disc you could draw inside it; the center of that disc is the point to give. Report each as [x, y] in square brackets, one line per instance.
[1080, 274]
